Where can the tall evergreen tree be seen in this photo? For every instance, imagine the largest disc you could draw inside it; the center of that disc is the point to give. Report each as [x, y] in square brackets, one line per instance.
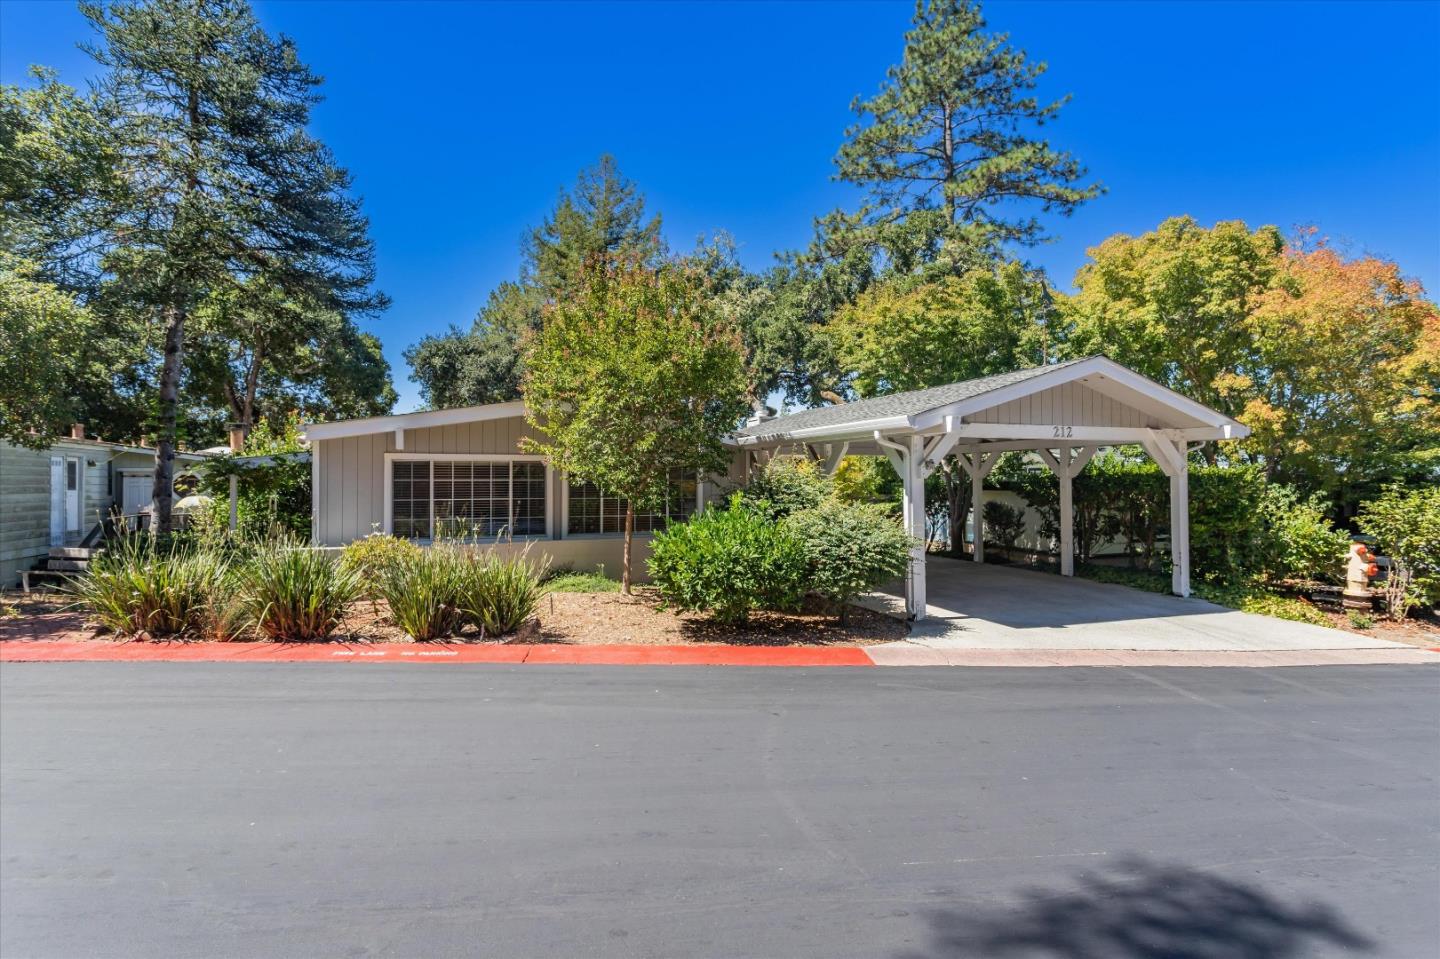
[603, 216]
[948, 146]
[207, 119]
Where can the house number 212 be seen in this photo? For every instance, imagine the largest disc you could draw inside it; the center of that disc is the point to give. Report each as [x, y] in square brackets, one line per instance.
[1063, 432]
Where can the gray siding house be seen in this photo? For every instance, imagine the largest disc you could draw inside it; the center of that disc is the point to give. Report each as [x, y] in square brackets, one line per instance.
[55, 496]
[423, 475]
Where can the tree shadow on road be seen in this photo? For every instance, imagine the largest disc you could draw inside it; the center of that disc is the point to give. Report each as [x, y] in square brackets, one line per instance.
[1141, 910]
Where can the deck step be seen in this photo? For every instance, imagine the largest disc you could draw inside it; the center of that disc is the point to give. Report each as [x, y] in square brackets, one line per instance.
[73, 552]
[67, 565]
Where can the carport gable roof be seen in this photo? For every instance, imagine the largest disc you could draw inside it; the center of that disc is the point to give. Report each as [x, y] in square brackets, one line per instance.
[927, 410]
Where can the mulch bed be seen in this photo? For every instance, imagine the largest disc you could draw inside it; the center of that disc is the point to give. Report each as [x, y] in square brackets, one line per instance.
[588, 619]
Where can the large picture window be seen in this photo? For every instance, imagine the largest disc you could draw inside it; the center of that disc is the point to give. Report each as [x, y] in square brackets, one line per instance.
[592, 510]
[470, 499]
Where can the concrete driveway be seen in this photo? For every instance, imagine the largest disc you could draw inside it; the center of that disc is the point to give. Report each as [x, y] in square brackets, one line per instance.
[1000, 607]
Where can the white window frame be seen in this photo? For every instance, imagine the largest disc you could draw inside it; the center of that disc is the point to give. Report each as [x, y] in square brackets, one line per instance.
[390, 459]
[565, 511]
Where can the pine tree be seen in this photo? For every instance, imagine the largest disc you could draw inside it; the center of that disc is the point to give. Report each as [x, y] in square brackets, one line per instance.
[206, 116]
[947, 145]
[602, 217]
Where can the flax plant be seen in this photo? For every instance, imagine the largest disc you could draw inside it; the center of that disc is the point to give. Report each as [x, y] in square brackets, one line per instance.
[291, 592]
[137, 586]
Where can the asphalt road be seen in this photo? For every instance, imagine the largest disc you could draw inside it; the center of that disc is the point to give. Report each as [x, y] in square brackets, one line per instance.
[431, 810]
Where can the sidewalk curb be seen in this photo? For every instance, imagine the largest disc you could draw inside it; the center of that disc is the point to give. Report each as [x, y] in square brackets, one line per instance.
[38, 651]
[888, 655]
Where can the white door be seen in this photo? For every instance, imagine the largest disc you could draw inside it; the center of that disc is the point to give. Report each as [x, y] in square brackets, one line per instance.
[57, 501]
[74, 473]
[135, 493]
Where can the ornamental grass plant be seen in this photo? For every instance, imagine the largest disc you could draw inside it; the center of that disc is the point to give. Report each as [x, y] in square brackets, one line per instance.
[290, 592]
[497, 594]
[138, 586]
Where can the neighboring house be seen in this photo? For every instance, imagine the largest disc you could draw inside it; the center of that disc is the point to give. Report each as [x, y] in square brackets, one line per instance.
[55, 496]
[447, 472]
[419, 474]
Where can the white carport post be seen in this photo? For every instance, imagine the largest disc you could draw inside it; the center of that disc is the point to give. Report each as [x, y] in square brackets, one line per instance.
[978, 465]
[908, 458]
[1066, 464]
[1173, 457]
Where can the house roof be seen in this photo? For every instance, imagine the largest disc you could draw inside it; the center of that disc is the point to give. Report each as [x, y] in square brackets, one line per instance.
[929, 410]
[893, 405]
[410, 421]
[187, 456]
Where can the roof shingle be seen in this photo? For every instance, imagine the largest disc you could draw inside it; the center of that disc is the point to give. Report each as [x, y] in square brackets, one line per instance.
[895, 404]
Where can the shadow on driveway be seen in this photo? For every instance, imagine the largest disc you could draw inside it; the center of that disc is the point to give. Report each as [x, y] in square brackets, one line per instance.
[1142, 910]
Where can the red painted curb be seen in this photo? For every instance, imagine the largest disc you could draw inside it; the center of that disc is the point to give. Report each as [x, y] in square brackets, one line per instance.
[45, 651]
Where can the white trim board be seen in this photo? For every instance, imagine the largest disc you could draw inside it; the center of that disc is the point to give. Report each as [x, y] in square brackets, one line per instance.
[315, 432]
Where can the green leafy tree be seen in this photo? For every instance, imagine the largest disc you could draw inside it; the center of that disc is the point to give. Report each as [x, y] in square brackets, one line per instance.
[602, 216]
[1141, 298]
[634, 375]
[206, 123]
[1406, 524]
[910, 333]
[257, 351]
[42, 333]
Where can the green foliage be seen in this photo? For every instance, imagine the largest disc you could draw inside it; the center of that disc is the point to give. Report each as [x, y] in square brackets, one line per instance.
[1248, 598]
[43, 333]
[1359, 620]
[1300, 542]
[603, 216]
[870, 479]
[1251, 598]
[1005, 524]
[1226, 541]
[369, 557]
[1406, 525]
[423, 591]
[728, 562]
[292, 593]
[633, 377]
[209, 180]
[497, 593]
[907, 334]
[955, 119]
[849, 549]
[786, 485]
[137, 586]
[273, 494]
[571, 582]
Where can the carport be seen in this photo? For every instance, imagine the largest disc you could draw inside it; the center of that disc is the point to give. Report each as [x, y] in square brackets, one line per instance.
[1063, 412]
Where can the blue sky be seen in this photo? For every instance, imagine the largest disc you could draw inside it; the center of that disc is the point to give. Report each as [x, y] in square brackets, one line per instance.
[461, 121]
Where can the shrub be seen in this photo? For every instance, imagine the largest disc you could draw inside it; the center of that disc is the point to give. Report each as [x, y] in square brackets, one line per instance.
[1298, 539]
[1005, 524]
[498, 594]
[423, 590]
[135, 586]
[1406, 526]
[1360, 620]
[849, 548]
[291, 592]
[1264, 602]
[368, 557]
[728, 562]
[786, 485]
[1226, 545]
